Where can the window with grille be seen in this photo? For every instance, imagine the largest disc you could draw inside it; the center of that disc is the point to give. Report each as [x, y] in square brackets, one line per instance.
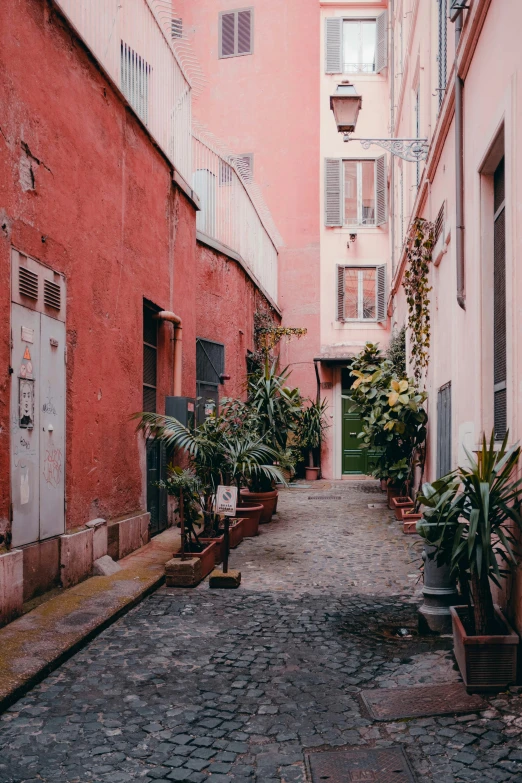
[150, 358]
[245, 166]
[356, 45]
[361, 293]
[236, 32]
[135, 81]
[444, 430]
[499, 303]
[176, 27]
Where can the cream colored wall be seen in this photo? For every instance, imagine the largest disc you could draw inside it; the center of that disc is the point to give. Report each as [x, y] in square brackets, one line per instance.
[372, 244]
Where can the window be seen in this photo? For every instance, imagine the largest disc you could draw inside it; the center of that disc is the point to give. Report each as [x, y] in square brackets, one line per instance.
[355, 192]
[361, 293]
[499, 303]
[359, 45]
[177, 28]
[210, 366]
[245, 166]
[356, 45]
[150, 358]
[135, 78]
[235, 32]
[442, 56]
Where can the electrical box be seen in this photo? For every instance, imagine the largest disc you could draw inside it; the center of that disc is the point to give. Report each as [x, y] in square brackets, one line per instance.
[183, 409]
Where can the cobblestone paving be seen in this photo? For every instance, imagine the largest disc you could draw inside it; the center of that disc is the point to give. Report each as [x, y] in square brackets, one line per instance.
[232, 687]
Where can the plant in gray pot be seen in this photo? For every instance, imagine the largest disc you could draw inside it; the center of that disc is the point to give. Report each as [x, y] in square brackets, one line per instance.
[310, 433]
[480, 548]
[441, 507]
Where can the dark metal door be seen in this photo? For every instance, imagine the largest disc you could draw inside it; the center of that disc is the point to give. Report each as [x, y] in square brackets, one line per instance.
[354, 458]
[156, 496]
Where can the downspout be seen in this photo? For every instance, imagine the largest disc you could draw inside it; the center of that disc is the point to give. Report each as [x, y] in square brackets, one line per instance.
[392, 133]
[318, 400]
[459, 170]
[166, 315]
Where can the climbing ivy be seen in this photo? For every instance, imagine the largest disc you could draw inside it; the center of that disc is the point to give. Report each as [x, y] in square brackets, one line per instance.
[419, 245]
[267, 334]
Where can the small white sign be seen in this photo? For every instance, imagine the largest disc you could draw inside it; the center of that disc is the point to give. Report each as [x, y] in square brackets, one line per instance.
[27, 334]
[226, 501]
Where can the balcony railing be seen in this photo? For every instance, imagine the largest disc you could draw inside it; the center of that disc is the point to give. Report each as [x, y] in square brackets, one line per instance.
[233, 212]
[128, 40]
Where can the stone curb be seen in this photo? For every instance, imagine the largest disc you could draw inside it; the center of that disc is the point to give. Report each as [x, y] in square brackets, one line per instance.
[38, 642]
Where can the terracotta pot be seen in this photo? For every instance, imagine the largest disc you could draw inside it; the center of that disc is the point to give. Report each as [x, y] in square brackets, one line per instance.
[311, 474]
[236, 534]
[384, 485]
[219, 549]
[207, 557]
[401, 503]
[267, 499]
[392, 492]
[486, 663]
[409, 522]
[251, 516]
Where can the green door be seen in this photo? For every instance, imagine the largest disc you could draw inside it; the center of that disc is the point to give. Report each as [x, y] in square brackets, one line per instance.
[354, 458]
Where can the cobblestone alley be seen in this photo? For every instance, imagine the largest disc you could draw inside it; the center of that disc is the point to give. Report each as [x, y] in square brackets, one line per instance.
[223, 686]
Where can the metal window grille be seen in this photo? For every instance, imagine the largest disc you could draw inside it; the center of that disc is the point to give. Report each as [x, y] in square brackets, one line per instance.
[499, 303]
[442, 56]
[444, 430]
[176, 27]
[135, 75]
[150, 359]
[439, 224]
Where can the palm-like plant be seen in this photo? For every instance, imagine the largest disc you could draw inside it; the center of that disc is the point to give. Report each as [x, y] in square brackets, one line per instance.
[275, 403]
[216, 456]
[311, 427]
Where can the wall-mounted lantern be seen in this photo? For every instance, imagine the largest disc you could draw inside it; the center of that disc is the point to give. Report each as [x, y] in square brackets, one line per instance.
[345, 104]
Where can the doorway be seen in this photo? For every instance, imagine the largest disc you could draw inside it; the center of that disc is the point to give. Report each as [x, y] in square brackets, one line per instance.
[37, 401]
[355, 460]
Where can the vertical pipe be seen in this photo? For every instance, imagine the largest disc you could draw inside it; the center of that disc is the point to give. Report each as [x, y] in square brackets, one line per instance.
[391, 216]
[459, 171]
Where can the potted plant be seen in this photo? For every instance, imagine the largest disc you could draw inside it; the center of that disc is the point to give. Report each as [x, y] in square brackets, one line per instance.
[185, 486]
[480, 548]
[310, 433]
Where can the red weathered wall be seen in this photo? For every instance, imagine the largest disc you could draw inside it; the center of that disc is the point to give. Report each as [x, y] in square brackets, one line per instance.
[226, 300]
[105, 213]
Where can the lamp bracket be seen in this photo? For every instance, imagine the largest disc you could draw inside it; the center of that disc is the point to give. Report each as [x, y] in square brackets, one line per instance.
[413, 150]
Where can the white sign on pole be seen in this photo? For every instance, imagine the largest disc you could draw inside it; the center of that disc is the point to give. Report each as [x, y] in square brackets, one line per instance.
[226, 501]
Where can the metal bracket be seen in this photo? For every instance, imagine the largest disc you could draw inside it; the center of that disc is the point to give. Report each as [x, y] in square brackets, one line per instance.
[412, 150]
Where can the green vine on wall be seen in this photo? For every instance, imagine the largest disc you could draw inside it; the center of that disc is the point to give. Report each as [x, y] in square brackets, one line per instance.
[419, 246]
[267, 334]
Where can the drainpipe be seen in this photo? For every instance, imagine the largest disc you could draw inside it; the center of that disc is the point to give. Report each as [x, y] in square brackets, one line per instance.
[318, 399]
[459, 170]
[166, 315]
[392, 133]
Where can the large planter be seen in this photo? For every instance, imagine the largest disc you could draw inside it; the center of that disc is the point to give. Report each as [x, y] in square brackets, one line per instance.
[207, 558]
[219, 548]
[401, 503]
[267, 499]
[486, 663]
[311, 474]
[384, 485]
[392, 492]
[236, 534]
[409, 521]
[251, 516]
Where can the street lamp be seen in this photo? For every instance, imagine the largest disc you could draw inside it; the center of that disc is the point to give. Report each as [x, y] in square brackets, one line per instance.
[346, 104]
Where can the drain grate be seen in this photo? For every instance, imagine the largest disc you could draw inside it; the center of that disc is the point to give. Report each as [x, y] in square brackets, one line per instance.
[372, 765]
[324, 497]
[420, 701]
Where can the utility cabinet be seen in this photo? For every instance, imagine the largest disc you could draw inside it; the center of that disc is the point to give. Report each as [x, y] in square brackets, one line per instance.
[183, 409]
[37, 413]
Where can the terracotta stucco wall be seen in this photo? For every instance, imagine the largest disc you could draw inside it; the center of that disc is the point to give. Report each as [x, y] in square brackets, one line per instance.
[103, 211]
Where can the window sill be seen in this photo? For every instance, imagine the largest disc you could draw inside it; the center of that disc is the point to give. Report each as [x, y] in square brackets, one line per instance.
[345, 325]
[357, 229]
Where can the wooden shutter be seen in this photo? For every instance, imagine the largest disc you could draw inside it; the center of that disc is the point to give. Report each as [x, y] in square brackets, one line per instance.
[244, 32]
[381, 293]
[334, 44]
[333, 169]
[381, 187]
[499, 304]
[340, 293]
[381, 45]
[227, 34]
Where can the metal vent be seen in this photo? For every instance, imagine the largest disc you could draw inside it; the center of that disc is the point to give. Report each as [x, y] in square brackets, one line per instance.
[52, 295]
[177, 28]
[439, 224]
[27, 283]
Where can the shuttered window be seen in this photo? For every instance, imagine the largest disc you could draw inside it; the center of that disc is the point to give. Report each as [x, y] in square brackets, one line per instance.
[356, 45]
[444, 430]
[176, 26]
[361, 293]
[236, 32]
[150, 358]
[499, 303]
[355, 192]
